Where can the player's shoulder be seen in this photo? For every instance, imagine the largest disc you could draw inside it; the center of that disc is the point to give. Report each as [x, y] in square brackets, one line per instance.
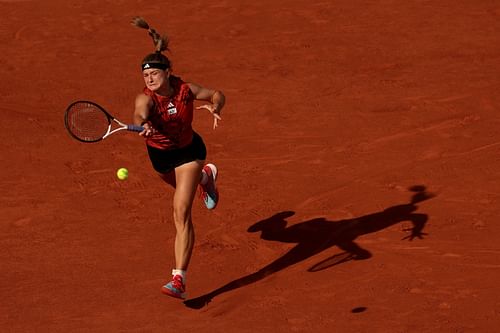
[145, 94]
[142, 98]
[177, 81]
[194, 87]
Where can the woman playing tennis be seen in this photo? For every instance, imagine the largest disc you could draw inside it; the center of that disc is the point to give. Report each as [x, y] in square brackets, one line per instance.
[177, 153]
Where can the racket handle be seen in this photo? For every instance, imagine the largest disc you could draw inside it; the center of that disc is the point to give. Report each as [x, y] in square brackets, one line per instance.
[135, 128]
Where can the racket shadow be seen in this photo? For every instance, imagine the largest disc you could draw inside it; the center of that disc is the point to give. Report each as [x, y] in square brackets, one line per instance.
[317, 235]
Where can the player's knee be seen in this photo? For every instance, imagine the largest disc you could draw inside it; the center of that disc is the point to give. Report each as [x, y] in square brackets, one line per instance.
[182, 215]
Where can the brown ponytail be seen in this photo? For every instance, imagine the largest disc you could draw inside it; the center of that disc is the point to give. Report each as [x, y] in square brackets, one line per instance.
[157, 59]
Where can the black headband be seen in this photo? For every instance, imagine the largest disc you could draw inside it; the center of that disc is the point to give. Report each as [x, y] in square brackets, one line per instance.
[154, 65]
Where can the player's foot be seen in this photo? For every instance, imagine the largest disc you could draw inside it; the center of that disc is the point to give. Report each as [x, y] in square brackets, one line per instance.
[175, 288]
[208, 192]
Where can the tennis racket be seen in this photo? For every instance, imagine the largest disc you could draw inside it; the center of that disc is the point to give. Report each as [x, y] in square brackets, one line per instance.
[88, 122]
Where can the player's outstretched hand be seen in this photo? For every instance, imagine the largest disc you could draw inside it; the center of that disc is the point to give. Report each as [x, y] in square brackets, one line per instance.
[214, 110]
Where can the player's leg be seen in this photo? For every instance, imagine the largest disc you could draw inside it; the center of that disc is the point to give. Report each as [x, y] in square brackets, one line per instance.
[209, 193]
[168, 178]
[187, 178]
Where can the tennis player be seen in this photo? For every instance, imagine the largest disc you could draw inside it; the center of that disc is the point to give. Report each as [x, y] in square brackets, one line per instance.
[177, 153]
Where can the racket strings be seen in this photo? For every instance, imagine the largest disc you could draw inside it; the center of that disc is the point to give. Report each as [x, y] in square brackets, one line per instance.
[87, 122]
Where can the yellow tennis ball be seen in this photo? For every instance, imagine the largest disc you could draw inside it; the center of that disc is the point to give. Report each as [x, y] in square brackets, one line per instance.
[122, 173]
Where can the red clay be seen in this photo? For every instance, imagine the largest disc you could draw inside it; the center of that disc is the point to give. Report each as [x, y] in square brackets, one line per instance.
[347, 126]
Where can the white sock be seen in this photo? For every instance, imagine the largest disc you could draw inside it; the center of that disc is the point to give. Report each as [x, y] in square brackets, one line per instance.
[181, 273]
[204, 177]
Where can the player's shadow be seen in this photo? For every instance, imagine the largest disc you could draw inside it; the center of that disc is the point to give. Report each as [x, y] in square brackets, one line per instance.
[317, 235]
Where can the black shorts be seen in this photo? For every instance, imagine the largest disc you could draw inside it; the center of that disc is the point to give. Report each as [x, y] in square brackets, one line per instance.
[164, 161]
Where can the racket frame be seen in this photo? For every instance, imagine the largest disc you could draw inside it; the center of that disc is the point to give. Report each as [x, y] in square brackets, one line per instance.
[111, 120]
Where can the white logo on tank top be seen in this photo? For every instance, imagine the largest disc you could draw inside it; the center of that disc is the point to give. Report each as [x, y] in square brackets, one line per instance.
[171, 108]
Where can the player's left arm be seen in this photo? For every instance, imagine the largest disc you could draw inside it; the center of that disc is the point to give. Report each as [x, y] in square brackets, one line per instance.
[215, 97]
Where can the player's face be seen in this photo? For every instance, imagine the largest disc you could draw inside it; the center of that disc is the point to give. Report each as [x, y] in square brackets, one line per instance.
[155, 78]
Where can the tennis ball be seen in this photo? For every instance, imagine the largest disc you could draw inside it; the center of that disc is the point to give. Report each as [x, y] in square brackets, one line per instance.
[122, 173]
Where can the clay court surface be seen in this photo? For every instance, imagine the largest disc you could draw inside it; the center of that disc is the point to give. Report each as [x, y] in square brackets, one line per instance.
[350, 126]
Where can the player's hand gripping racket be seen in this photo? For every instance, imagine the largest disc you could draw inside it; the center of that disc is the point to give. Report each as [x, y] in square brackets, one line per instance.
[88, 122]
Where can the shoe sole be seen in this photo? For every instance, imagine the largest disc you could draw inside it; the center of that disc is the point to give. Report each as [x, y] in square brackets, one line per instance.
[214, 170]
[170, 293]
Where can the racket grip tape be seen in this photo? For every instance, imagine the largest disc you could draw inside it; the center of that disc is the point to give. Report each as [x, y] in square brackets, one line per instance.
[135, 128]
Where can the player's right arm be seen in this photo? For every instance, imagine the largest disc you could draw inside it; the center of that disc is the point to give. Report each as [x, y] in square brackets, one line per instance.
[141, 114]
